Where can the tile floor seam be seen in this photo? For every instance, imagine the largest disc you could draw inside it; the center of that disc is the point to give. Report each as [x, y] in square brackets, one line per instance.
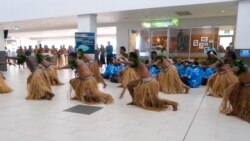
[184, 139]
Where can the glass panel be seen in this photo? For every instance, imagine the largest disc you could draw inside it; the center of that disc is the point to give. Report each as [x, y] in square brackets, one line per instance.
[159, 40]
[179, 43]
[201, 40]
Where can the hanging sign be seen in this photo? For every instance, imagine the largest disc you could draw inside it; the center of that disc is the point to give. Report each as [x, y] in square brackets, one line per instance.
[159, 24]
[85, 41]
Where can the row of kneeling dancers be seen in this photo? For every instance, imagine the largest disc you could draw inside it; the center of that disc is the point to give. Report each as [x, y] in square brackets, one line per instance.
[231, 81]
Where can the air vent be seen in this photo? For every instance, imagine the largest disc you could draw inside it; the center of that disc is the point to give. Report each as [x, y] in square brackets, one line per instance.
[183, 13]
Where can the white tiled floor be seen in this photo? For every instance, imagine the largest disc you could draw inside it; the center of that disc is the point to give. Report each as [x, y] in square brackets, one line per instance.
[197, 119]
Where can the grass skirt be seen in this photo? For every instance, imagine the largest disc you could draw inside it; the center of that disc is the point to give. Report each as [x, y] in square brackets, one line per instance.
[4, 88]
[54, 60]
[129, 74]
[146, 96]
[87, 91]
[220, 82]
[38, 85]
[236, 100]
[52, 76]
[94, 68]
[211, 81]
[170, 82]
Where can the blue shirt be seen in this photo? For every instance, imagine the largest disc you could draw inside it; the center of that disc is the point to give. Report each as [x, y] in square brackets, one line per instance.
[195, 77]
[207, 73]
[185, 71]
[109, 50]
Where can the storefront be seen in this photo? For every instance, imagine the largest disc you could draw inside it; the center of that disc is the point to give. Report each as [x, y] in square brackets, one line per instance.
[168, 38]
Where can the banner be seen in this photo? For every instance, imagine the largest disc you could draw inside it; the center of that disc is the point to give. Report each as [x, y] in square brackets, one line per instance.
[85, 41]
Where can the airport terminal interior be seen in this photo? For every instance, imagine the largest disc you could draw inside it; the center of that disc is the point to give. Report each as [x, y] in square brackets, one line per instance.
[138, 70]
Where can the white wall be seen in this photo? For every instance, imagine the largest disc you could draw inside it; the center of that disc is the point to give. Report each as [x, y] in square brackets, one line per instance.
[15, 10]
[243, 23]
[1, 39]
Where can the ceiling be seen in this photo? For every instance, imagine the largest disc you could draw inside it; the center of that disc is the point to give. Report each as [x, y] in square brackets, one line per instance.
[70, 22]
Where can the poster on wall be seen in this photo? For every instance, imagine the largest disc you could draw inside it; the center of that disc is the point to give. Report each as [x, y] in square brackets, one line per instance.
[201, 45]
[204, 39]
[195, 43]
[85, 41]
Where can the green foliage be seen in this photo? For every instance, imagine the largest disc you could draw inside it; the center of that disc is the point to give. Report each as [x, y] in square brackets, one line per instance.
[39, 58]
[136, 62]
[21, 59]
[73, 64]
[241, 64]
[160, 57]
[80, 50]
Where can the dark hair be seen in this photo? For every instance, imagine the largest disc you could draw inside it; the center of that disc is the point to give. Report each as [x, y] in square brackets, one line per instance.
[231, 54]
[196, 63]
[147, 62]
[153, 52]
[133, 55]
[123, 48]
[73, 54]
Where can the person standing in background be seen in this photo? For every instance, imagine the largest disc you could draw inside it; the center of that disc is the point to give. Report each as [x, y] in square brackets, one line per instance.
[109, 50]
[54, 57]
[97, 53]
[102, 57]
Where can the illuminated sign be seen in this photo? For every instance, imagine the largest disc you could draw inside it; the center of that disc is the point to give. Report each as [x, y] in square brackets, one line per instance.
[245, 53]
[157, 24]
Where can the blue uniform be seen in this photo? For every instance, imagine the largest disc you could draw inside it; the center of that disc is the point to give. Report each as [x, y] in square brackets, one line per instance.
[153, 71]
[185, 71]
[195, 77]
[207, 73]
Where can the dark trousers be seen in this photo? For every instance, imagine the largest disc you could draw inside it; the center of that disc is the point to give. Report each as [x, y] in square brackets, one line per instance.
[109, 59]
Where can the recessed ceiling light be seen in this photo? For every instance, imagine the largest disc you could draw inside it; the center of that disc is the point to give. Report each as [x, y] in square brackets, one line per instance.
[222, 11]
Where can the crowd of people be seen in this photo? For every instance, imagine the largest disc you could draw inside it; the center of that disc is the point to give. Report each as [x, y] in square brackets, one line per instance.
[224, 77]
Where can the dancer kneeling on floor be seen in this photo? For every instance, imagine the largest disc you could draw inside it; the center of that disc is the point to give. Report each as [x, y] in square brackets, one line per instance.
[144, 92]
[168, 78]
[38, 84]
[4, 88]
[85, 85]
[51, 71]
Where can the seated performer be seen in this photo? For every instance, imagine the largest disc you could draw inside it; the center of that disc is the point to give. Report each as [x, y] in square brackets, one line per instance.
[185, 71]
[38, 84]
[50, 69]
[168, 78]
[236, 100]
[222, 80]
[195, 76]
[4, 88]
[207, 72]
[85, 84]
[93, 66]
[144, 91]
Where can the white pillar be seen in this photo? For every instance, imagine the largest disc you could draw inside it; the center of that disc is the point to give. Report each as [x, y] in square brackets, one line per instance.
[243, 22]
[87, 23]
[2, 44]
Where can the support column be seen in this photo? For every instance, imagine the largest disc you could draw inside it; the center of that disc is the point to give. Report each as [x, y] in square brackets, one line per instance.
[242, 30]
[2, 50]
[2, 45]
[87, 23]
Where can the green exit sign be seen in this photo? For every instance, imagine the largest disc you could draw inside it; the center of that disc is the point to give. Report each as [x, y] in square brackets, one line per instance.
[158, 24]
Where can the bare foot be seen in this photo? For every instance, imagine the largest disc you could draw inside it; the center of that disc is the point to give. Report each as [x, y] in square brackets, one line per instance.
[187, 90]
[175, 107]
[131, 103]
[120, 86]
[105, 85]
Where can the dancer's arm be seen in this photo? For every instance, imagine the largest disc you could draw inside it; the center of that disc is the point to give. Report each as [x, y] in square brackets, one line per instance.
[116, 61]
[8, 57]
[64, 67]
